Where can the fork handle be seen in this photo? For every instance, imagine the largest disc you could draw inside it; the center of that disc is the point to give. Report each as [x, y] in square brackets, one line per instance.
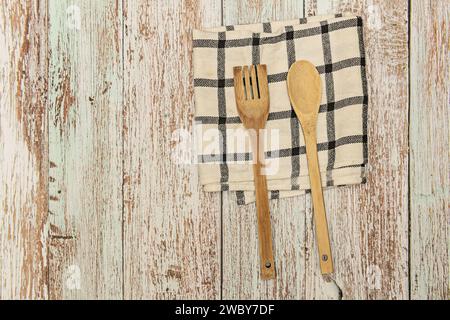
[263, 214]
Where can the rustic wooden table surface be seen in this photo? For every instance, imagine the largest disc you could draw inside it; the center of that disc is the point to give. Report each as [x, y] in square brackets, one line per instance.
[93, 206]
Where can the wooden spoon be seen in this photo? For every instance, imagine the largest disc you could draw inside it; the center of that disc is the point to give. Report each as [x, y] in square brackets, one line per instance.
[252, 102]
[305, 93]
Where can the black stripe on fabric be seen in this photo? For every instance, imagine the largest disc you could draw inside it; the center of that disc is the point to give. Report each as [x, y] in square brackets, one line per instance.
[280, 77]
[363, 177]
[274, 194]
[239, 157]
[284, 153]
[363, 174]
[364, 87]
[221, 101]
[240, 195]
[303, 20]
[212, 83]
[267, 27]
[229, 28]
[280, 115]
[353, 166]
[336, 66]
[329, 83]
[295, 127]
[235, 43]
[255, 49]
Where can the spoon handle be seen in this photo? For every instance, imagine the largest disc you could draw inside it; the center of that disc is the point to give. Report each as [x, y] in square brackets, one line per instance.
[263, 214]
[320, 218]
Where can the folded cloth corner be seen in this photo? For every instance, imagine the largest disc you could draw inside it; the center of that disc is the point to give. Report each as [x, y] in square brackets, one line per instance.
[335, 45]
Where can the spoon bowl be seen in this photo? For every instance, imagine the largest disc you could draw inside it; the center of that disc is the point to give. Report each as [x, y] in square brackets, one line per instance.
[304, 86]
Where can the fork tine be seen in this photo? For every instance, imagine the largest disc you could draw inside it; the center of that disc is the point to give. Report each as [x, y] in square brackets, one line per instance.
[254, 82]
[238, 84]
[248, 88]
[262, 80]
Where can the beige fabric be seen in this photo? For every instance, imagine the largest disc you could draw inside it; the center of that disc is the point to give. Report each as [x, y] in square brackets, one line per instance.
[335, 45]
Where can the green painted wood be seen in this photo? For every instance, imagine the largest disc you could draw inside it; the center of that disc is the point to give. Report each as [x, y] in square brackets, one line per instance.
[429, 149]
[171, 227]
[85, 149]
[66, 231]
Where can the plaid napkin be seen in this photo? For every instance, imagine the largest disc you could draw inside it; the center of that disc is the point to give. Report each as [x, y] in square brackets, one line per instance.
[334, 44]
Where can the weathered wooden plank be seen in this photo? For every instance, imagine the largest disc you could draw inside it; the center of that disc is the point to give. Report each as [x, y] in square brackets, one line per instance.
[171, 227]
[241, 278]
[429, 147]
[85, 150]
[240, 247]
[369, 223]
[243, 12]
[23, 150]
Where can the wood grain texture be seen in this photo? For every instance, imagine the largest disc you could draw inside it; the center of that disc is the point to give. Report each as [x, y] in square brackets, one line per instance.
[85, 152]
[369, 223]
[171, 227]
[305, 93]
[252, 103]
[429, 134]
[23, 150]
[94, 203]
[240, 242]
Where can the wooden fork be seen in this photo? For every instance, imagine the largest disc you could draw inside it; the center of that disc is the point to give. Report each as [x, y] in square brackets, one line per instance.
[252, 100]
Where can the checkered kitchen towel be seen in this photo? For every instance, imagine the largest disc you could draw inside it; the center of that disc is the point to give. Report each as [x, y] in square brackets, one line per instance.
[335, 45]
